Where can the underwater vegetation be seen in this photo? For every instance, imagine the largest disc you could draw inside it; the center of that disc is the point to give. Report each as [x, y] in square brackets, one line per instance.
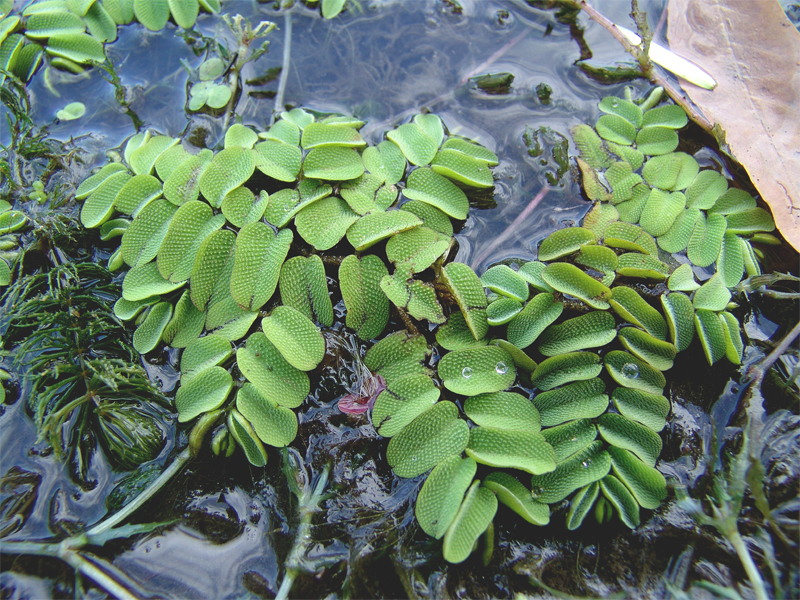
[253, 268]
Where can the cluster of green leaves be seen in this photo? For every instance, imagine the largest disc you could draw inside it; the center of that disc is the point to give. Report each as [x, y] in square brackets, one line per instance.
[10, 221]
[72, 32]
[85, 381]
[185, 218]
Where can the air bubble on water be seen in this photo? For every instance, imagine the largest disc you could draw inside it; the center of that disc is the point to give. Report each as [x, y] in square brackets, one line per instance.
[586, 463]
[630, 370]
[501, 368]
[536, 492]
[466, 372]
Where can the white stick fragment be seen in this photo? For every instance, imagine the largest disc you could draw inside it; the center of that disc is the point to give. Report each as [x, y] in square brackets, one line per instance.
[672, 62]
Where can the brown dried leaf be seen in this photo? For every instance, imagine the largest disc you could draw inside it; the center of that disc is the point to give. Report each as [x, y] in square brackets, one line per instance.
[753, 51]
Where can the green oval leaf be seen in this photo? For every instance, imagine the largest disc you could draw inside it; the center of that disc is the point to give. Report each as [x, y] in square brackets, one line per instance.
[403, 401]
[462, 168]
[257, 266]
[143, 238]
[502, 310]
[247, 439]
[569, 438]
[304, 287]
[416, 145]
[616, 129]
[622, 499]
[569, 279]
[566, 368]
[473, 518]
[648, 409]
[435, 435]
[503, 410]
[183, 184]
[186, 324]
[214, 254]
[579, 400]
[587, 466]
[706, 240]
[517, 497]
[274, 425]
[591, 330]
[581, 504]
[192, 223]
[272, 375]
[467, 289]
[524, 450]
[143, 281]
[205, 392]
[621, 432]
[655, 140]
[658, 353]
[646, 484]
[440, 497]
[629, 237]
[203, 353]
[279, 160]
[229, 169]
[324, 223]
[712, 333]
[631, 372]
[537, 315]
[477, 370]
[374, 227]
[629, 305]
[333, 163]
[148, 334]
[502, 280]
[398, 355]
[99, 206]
[295, 336]
[428, 186]
[367, 306]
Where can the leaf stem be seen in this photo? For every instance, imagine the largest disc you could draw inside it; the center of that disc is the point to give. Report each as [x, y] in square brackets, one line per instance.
[126, 511]
[287, 57]
[750, 567]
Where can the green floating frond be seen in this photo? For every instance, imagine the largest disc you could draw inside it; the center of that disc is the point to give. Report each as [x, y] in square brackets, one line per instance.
[456, 334]
[229, 169]
[186, 324]
[304, 287]
[45, 24]
[750, 221]
[143, 238]
[537, 315]
[730, 264]
[656, 140]
[431, 216]
[320, 135]
[570, 438]
[402, 401]
[143, 281]
[566, 368]
[677, 238]
[517, 497]
[599, 258]
[569, 279]
[278, 160]
[650, 410]
[469, 148]
[712, 295]
[734, 347]
[143, 159]
[418, 248]
[646, 484]
[616, 493]
[616, 129]
[282, 131]
[137, 193]
[733, 201]
[524, 450]
[661, 210]
[564, 242]
[257, 266]
[295, 336]
[622, 179]
[298, 117]
[467, 289]
[680, 319]
[591, 184]
[590, 147]
[240, 206]
[473, 518]
[435, 435]
[416, 145]
[192, 223]
[503, 410]
[203, 353]
[705, 189]
[440, 497]
[374, 227]
[367, 306]
[587, 466]
[581, 504]
[502, 280]
[658, 353]
[633, 264]
[476, 371]
[627, 110]
[385, 161]
[432, 125]
[148, 334]
[275, 425]
[79, 48]
[629, 305]
[631, 372]
[591, 330]
[428, 186]
[113, 228]
[125, 311]
[272, 375]
[622, 432]
[629, 154]
[248, 440]
[366, 194]
[713, 334]
[90, 184]
[502, 310]
[99, 206]
[600, 217]
[153, 14]
[398, 355]
[706, 241]
[629, 237]
[669, 115]
[631, 210]
[682, 279]
[205, 392]
[183, 184]
[532, 273]
[324, 223]
[579, 400]
[214, 254]
[462, 168]
[184, 12]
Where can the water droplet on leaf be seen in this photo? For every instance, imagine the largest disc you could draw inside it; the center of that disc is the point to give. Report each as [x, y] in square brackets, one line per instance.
[630, 370]
[466, 372]
[501, 368]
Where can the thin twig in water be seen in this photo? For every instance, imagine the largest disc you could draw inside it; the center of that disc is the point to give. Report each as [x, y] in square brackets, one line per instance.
[511, 228]
[287, 57]
[677, 96]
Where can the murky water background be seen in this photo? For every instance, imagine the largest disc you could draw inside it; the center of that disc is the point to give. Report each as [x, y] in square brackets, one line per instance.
[383, 64]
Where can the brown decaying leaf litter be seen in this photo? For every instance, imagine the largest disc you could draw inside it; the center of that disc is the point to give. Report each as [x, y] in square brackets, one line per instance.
[753, 51]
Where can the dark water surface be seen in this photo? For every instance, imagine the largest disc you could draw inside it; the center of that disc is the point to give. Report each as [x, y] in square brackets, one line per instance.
[383, 63]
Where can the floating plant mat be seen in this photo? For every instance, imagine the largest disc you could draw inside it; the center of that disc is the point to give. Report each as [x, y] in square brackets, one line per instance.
[538, 386]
